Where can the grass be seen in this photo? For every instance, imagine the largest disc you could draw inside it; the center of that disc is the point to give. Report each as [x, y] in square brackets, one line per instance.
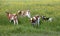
[24, 28]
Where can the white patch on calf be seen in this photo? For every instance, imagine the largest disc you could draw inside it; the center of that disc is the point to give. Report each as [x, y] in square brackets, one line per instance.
[50, 19]
[34, 18]
[28, 14]
[38, 21]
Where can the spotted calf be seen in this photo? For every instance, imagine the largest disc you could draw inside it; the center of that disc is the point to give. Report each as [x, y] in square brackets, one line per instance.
[24, 13]
[47, 18]
[12, 17]
[35, 20]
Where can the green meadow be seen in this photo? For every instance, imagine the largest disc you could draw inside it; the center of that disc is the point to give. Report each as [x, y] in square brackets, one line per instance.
[48, 8]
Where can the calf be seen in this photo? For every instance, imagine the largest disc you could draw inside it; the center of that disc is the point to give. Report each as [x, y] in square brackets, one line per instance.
[47, 18]
[24, 13]
[35, 19]
[12, 17]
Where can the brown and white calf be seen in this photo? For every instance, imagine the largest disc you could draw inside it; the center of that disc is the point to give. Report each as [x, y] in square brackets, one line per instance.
[35, 20]
[12, 17]
[24, 13]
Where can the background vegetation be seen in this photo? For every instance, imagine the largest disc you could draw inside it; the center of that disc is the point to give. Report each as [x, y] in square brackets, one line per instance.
[49, 8]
